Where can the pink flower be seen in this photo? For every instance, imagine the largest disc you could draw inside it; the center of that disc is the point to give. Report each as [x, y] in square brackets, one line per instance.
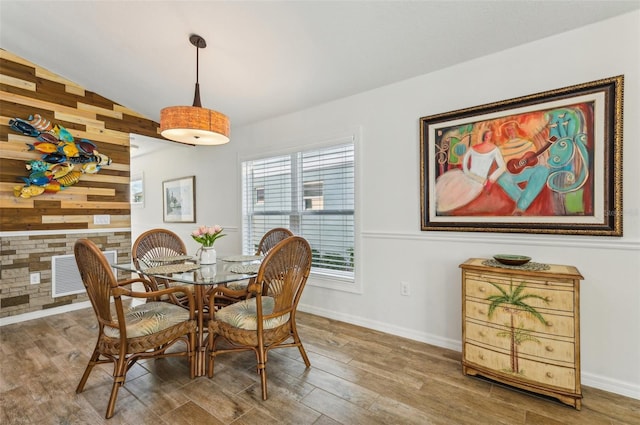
[207, 235]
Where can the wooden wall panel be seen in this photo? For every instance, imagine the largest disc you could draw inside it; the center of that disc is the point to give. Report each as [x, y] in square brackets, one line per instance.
[26, 89]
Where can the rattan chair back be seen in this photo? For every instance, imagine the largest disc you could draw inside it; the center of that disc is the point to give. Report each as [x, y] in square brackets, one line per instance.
[283, 274]
[151, 330]
[282, 277]
[99, 282]
[271, 238]
[156, 243]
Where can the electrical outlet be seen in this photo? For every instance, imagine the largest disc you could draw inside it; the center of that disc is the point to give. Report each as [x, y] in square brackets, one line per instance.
[404, 288]
[34, 278]
[102, 219]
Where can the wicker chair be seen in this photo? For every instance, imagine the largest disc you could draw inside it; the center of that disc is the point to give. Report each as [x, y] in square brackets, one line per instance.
[141, 332]
[268, 241]
[271, 238]
[157, 243]
[267, 320]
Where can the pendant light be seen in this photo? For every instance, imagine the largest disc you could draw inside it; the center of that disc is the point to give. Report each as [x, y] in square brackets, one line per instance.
[194, 125]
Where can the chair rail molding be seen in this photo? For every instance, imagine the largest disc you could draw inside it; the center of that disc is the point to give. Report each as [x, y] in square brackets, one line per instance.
[520, 239]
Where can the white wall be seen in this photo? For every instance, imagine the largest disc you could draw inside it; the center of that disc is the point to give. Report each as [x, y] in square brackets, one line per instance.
[216, 190]
[392, 247]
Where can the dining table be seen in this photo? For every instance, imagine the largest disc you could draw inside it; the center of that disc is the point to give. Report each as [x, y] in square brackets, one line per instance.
[185, 269]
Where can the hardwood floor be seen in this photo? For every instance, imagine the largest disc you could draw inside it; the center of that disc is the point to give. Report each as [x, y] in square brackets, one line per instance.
[358, 376]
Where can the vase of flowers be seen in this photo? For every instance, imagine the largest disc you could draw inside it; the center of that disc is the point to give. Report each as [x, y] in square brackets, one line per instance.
[206, 236]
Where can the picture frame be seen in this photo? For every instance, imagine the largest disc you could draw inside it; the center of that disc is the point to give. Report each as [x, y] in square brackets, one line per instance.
[549, 162]
[179, 200]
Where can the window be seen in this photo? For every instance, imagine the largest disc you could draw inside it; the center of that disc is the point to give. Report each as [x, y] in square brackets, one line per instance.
[136, 187]
[259, 195]
[312, 193]
[313, 199]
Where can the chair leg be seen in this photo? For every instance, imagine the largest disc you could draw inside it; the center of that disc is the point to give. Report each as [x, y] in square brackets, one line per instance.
[210, 366]
[118, 381]
[211, 355]
[92, 362]
[192, 355]
[303, 353]
[262, 369]
[112, 399]
[263, 379]
[298, 342]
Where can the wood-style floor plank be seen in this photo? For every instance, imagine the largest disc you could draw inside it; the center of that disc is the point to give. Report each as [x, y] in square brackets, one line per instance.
[358, 376]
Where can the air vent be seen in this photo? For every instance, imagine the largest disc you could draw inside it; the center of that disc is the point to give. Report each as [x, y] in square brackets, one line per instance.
[66, 276]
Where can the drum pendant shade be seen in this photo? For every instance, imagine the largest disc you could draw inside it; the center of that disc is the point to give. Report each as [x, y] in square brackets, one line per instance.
[194, 125]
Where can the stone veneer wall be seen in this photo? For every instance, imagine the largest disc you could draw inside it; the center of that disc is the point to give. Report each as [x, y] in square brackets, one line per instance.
[23, 255]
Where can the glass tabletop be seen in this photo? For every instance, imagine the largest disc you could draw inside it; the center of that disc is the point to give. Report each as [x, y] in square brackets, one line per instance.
[190, 272]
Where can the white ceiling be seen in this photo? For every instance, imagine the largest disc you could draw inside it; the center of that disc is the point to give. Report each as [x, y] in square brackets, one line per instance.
[266, 58]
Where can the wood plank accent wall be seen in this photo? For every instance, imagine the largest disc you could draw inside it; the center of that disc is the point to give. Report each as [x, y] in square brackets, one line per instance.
[49, 224]
[26, 89]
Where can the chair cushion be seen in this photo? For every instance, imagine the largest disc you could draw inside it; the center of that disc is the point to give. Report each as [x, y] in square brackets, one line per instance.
[243, 314]
[238, 285]
[171, 284]
[146, 319]
[190, 286]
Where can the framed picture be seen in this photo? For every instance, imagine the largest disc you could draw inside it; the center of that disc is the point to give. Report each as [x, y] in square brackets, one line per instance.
[136, 187]
[549, 162]
[179, 200]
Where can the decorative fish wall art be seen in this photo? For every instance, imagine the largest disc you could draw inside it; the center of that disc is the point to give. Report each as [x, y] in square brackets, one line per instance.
[63, 159]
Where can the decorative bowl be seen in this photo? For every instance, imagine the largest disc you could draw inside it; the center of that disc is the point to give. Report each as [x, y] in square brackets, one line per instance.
[512, 260]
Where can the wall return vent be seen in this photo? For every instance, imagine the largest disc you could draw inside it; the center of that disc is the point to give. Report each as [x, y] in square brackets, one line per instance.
[66, 276]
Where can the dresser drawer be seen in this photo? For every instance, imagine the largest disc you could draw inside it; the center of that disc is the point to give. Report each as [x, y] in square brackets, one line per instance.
[556, 324]
[547, 374]
[504, 278]
[536, 347]
[554, 297]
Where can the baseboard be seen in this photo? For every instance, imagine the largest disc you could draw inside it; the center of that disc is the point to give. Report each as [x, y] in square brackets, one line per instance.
[43, 313]
[626, 389]
[384, 327]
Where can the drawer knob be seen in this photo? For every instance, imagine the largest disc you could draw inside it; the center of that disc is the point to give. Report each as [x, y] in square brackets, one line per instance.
[549, 348]
[549, 324]
[482, 333]
[481, 356]
[481, 289]
[549, 375]
[548, 299]
[481, 312]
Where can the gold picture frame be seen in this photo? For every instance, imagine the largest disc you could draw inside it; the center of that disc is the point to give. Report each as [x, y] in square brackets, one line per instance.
[549, 162]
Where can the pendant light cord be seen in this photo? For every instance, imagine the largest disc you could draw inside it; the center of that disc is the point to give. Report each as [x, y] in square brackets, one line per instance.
[197, 63]
[196, 97]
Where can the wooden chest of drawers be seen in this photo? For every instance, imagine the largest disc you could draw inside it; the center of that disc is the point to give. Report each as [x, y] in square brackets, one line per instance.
[522, 327]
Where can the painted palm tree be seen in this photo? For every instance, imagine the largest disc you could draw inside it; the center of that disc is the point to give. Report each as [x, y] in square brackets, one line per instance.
[513, 302]
[518, 335]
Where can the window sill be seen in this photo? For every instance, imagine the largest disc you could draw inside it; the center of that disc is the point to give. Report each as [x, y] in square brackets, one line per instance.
[334, 281]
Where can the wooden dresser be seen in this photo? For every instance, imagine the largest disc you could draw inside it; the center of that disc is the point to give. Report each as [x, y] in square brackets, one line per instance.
[522, 327]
